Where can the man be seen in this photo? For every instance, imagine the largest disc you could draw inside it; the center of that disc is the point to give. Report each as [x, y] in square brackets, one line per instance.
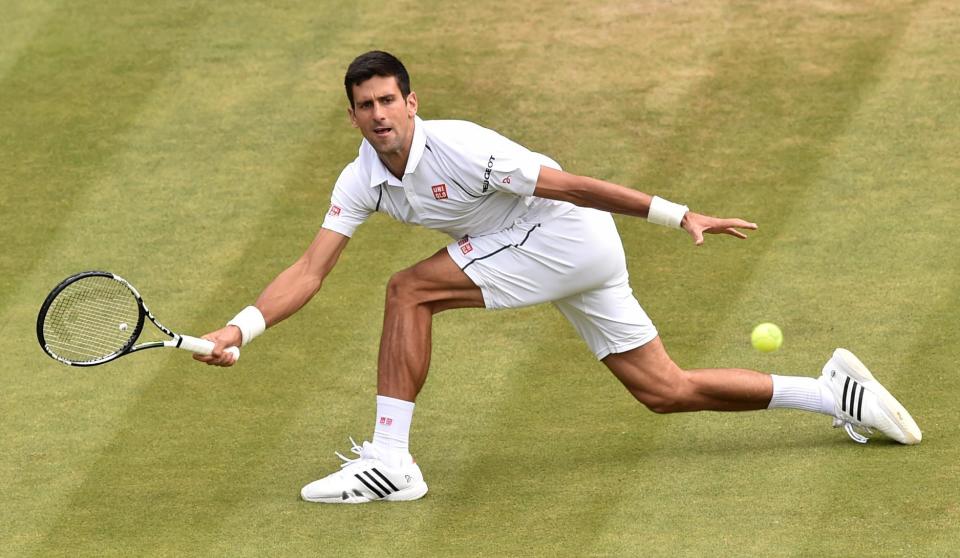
[525, 232]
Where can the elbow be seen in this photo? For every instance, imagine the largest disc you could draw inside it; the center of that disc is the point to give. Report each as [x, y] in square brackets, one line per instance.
[562, 186]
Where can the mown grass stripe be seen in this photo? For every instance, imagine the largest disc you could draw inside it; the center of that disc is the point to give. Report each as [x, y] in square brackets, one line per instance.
[208, 463]
[483, 484]
[20, 23]
[162, 406]
[149, 155]
[750, 98]
[51, 143]
[907, 284]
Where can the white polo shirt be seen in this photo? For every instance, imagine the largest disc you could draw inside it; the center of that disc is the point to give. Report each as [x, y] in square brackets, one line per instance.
[461, 179]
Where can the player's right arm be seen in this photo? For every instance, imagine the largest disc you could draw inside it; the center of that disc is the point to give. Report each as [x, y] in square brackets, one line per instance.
[286, 294]
[297, 284]
[352, 201]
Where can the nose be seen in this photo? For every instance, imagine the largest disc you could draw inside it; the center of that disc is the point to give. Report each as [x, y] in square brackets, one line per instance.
[377, 111]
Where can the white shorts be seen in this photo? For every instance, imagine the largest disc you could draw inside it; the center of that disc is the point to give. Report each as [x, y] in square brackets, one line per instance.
[575, 261]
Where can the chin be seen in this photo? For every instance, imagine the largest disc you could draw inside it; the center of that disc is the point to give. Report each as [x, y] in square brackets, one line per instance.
[386, 146]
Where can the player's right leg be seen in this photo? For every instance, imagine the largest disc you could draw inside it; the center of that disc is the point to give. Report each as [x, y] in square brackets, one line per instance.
[366, 478]
[384, 470]
[414, 295]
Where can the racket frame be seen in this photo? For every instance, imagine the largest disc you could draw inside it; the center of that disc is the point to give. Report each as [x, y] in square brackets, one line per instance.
[187, 342]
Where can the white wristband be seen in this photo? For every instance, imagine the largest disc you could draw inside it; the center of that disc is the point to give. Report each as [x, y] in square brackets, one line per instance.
[663, 212]
[250, 322]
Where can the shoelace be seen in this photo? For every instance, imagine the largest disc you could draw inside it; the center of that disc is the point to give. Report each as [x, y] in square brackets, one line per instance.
[357, 449]
[851, 430]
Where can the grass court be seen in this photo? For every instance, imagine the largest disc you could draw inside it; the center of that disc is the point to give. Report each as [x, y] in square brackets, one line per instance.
[191, 147]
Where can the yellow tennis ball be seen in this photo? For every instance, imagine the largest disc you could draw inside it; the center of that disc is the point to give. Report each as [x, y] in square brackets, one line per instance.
[766, 337]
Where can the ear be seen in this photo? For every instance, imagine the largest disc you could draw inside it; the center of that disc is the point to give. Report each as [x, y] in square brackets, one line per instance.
[412, 104]
[353, 117]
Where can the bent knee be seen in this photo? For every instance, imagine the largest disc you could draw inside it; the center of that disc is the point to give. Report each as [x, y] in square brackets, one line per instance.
[662, 405]
[404, 287]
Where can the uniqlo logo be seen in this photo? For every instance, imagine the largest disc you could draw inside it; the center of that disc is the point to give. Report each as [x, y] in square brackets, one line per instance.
[334, 210]
[440, 191]
[465, 246]
[386, 421]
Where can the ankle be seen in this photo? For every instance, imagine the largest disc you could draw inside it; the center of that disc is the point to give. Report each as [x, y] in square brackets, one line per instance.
[391, 433]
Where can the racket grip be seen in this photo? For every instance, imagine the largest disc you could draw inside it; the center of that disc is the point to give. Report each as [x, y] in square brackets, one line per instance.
[204, 347]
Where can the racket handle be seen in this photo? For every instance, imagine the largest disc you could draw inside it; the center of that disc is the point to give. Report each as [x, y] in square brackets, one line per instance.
[204, 347]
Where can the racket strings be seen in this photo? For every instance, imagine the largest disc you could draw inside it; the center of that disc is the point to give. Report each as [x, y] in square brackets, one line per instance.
[92, 318]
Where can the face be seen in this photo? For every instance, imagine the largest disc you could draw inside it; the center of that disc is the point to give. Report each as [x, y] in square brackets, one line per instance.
[383, 116]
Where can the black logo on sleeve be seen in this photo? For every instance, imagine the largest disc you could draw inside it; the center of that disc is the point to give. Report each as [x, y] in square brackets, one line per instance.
[486, 173]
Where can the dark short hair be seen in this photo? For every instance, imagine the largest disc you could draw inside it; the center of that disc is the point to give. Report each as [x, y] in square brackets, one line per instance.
[376, 63]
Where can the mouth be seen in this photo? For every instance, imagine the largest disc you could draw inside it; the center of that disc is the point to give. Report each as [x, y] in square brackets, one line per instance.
[382, 130]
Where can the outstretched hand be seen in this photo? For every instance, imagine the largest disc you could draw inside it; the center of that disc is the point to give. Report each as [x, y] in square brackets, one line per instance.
[697, 224]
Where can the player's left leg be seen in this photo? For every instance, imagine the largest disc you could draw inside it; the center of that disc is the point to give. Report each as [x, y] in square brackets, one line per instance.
[846, 390]
[619, 332]
[655, 380]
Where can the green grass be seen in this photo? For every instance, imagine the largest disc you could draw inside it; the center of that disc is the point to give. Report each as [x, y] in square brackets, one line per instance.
[191, 147]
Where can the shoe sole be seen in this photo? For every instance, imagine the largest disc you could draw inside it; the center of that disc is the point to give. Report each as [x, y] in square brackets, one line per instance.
[910, 432]
[412, 492]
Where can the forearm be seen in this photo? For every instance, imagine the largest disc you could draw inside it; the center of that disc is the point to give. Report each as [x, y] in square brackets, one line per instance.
[591, 192]
[286, 294]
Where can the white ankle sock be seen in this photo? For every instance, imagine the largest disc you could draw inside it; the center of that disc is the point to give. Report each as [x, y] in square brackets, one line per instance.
[391, 432]
[800, 392]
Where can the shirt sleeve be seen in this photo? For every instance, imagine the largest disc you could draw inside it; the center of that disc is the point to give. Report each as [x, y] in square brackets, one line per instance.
[519, 174]
[350, 204]
[501, 164]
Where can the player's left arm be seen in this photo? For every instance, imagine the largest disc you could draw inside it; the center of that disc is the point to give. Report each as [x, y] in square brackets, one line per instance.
[590, 192]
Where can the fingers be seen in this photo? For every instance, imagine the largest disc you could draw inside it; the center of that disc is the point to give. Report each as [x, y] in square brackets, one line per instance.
[217, 358]
[222, 339]
[731, 226]
[739, 223]
[736, 233]
[712, 225]
[231, 355]
[220, 355]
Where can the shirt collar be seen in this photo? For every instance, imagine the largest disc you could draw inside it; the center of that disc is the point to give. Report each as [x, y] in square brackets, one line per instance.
[381, 174]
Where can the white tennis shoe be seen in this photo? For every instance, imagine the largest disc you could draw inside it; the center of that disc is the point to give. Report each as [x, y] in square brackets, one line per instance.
[862, 404]
[367, 479]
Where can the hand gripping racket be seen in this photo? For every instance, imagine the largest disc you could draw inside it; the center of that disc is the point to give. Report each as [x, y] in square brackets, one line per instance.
[94, 317]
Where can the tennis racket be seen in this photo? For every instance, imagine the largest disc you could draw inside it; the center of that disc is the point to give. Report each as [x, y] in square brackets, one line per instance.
[94, 317]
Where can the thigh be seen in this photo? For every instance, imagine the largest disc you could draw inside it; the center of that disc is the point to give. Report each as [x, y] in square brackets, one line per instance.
[609, 318]
[438, 281]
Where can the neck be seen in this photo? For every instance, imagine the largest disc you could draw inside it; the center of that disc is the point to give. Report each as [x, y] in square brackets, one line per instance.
[396, 162]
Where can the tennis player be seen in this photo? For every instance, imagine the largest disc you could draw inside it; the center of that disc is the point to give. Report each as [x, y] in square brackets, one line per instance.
[524, 232]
